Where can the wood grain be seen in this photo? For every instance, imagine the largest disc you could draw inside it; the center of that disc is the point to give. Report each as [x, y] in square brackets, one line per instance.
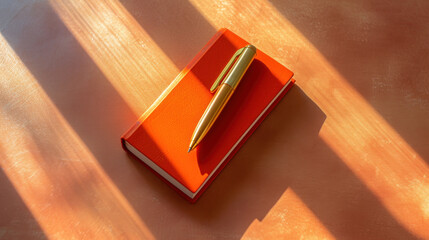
[344, 155]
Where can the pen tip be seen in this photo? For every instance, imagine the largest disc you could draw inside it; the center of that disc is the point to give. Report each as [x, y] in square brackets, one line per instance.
[189, 149]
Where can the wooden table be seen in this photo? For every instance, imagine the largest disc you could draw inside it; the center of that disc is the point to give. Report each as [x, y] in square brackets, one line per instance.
[344, 155]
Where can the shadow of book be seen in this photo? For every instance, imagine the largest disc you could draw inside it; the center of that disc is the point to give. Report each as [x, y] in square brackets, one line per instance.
[284, 152]
[255, 179]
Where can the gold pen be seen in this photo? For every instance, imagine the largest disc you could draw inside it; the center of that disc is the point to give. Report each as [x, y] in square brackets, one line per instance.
[237, 66]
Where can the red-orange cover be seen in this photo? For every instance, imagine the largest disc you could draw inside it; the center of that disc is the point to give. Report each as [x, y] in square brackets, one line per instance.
[161, 136]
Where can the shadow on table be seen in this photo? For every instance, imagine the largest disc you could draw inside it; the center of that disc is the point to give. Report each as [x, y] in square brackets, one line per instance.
[284, 152]
[16, 221]
[381, 49]
[176, 26]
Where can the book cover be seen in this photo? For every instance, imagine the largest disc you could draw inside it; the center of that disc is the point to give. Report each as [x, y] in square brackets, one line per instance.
[161, 136]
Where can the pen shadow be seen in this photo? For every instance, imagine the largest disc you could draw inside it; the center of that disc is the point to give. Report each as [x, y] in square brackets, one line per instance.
[229, 115]
[210, 65]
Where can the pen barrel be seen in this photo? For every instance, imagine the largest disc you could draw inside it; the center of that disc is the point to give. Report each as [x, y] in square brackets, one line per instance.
[218, 102]
[240, 67]
[223, 94]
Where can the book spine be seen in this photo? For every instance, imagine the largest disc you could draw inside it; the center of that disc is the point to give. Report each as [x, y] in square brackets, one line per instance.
[128, 133]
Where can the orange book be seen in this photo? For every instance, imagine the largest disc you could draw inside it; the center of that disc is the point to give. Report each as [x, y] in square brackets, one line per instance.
[161, 136]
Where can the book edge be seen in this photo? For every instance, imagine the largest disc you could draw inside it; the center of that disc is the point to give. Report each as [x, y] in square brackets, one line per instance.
[247, 136]
[247, 132]
[158, 169]
[128, 133]
[188, 194]
[159, 176]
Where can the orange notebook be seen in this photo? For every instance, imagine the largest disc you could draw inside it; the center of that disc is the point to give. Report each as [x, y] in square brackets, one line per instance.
[161, 136]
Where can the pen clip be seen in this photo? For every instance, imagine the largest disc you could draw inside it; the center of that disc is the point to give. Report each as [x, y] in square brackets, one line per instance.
[225, 70]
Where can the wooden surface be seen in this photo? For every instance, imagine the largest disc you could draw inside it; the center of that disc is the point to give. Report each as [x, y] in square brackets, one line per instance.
[344, 155]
